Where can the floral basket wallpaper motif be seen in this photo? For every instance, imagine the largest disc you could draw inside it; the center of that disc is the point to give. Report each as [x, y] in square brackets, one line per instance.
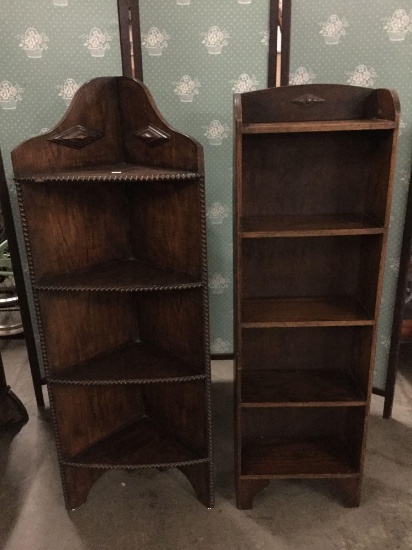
[215, 39]
[376, 52]
[68, 90]
[216, 132]
[33, 43]
[398, 25]
[187, 88]
[9, 95]
[333, 29]
[154, 41]
[97, 42]
[44, 61]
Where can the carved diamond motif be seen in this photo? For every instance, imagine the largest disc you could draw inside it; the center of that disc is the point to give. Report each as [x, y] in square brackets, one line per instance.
[308, 100]
[152, 136]
[76, 137]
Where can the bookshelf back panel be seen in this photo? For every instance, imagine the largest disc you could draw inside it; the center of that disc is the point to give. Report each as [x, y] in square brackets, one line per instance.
[78, 326]
[340, 102]
[306, 267]
[165, 225]
[336, 348]
[181, 408]
[178, 152]
[86, 414]
[173, 322]
[300, 422]
[74, 226]
[314, 173]
[302, 442]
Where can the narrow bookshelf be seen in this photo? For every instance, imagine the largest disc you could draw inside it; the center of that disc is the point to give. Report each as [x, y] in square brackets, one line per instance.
[313, 183]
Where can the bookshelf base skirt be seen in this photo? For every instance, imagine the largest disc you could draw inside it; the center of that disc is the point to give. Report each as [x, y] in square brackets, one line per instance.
[247, 489]
[78, 482]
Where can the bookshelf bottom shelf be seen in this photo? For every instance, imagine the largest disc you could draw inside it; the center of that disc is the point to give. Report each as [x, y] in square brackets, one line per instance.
[272, 458]
[143, 444]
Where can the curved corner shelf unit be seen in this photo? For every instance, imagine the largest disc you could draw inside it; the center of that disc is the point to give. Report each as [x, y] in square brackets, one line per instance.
[113, 213]
[314, 171]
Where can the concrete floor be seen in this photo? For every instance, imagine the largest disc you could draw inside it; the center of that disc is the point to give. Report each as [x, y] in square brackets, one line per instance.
[152, 510]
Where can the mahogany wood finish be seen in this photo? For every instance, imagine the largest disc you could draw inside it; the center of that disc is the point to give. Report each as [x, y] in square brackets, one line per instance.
[313, 185]
[115, 237]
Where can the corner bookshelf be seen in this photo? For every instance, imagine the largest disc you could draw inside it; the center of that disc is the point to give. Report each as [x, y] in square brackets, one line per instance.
[313, 183]
[112, 206]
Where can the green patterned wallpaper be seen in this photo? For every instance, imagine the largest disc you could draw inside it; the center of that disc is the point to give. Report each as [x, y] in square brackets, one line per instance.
[196, 53]
[363, 44]
[46, 54]
[48, 49]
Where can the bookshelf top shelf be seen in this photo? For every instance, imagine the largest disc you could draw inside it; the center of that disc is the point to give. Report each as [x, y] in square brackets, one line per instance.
[113, 173]
[318, 126]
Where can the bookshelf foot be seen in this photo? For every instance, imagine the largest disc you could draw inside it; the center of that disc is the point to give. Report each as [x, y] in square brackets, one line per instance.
[77, 483]
[350, 489]
[247, 490]
[201, 479]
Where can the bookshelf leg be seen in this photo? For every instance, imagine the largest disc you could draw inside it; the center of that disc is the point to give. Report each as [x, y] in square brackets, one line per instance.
[77, 483]
[201, 479]
[350, 489]
[247, 490]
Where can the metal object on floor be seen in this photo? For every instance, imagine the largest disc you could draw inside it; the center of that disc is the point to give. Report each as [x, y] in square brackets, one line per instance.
[10, 318]
[21, 288]
[12, 409]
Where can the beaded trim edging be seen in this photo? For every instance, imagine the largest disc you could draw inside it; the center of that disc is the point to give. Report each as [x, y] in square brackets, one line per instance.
[86, 288]
[128, 381]
[206, 333]
[98, 466]
[111, 177]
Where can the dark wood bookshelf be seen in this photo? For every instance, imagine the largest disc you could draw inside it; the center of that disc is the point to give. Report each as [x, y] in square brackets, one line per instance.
[112, 206]
[314, 171]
